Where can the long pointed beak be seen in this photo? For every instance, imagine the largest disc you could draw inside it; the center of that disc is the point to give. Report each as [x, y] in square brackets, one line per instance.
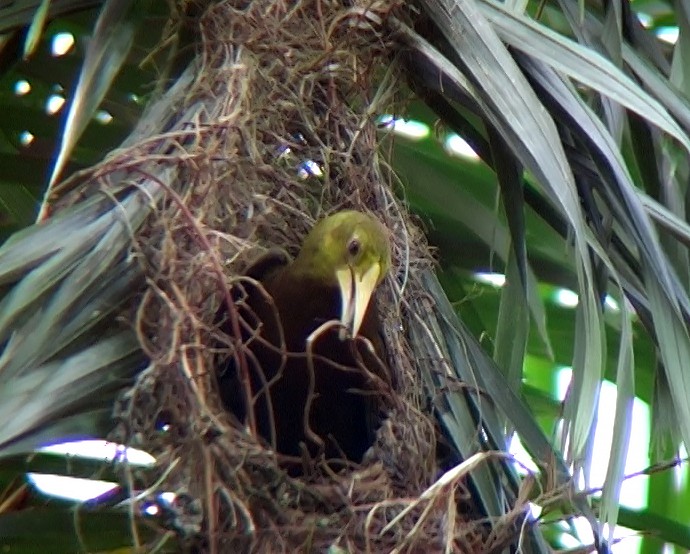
[355, 293]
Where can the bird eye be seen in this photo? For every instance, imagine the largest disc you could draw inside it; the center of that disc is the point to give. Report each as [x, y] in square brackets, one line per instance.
[353, 247]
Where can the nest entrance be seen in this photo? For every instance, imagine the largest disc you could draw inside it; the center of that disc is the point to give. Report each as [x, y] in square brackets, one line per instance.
[313, 394]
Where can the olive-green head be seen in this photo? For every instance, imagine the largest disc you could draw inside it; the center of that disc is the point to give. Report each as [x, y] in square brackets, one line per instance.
[349, 249]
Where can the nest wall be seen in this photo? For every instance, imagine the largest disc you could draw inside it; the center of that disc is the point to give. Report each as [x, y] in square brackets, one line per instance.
[277, 128]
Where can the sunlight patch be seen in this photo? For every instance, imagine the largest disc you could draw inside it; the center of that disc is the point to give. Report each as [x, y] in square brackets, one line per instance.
[455, 144]
[22, 87]
[566, 298]
[70, 488]
[488, 278]
[668, 34]
[54, 104]
[103, 117]
[80, 489]
[101, 450]
[62, 43]
[26, 138]
[407, 128]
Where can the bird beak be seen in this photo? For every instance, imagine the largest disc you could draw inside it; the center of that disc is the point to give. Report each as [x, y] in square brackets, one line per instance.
[355, 292]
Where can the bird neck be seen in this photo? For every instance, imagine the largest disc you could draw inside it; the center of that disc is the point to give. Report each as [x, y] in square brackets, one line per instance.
[315, 270]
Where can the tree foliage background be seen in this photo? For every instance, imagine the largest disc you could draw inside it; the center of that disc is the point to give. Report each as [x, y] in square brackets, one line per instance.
[579, 115]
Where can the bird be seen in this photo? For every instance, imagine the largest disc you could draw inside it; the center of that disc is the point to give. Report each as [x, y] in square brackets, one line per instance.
[313, 347]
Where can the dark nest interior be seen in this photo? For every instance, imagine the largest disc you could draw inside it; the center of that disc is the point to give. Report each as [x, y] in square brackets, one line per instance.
[276, 129]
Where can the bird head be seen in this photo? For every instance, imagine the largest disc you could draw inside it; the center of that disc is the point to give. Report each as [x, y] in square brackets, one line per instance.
[349, 249]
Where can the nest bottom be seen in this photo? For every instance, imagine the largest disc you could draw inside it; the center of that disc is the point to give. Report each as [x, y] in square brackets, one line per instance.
[231, 495]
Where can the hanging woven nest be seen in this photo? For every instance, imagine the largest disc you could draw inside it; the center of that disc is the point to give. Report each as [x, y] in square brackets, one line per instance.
[272, 129]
